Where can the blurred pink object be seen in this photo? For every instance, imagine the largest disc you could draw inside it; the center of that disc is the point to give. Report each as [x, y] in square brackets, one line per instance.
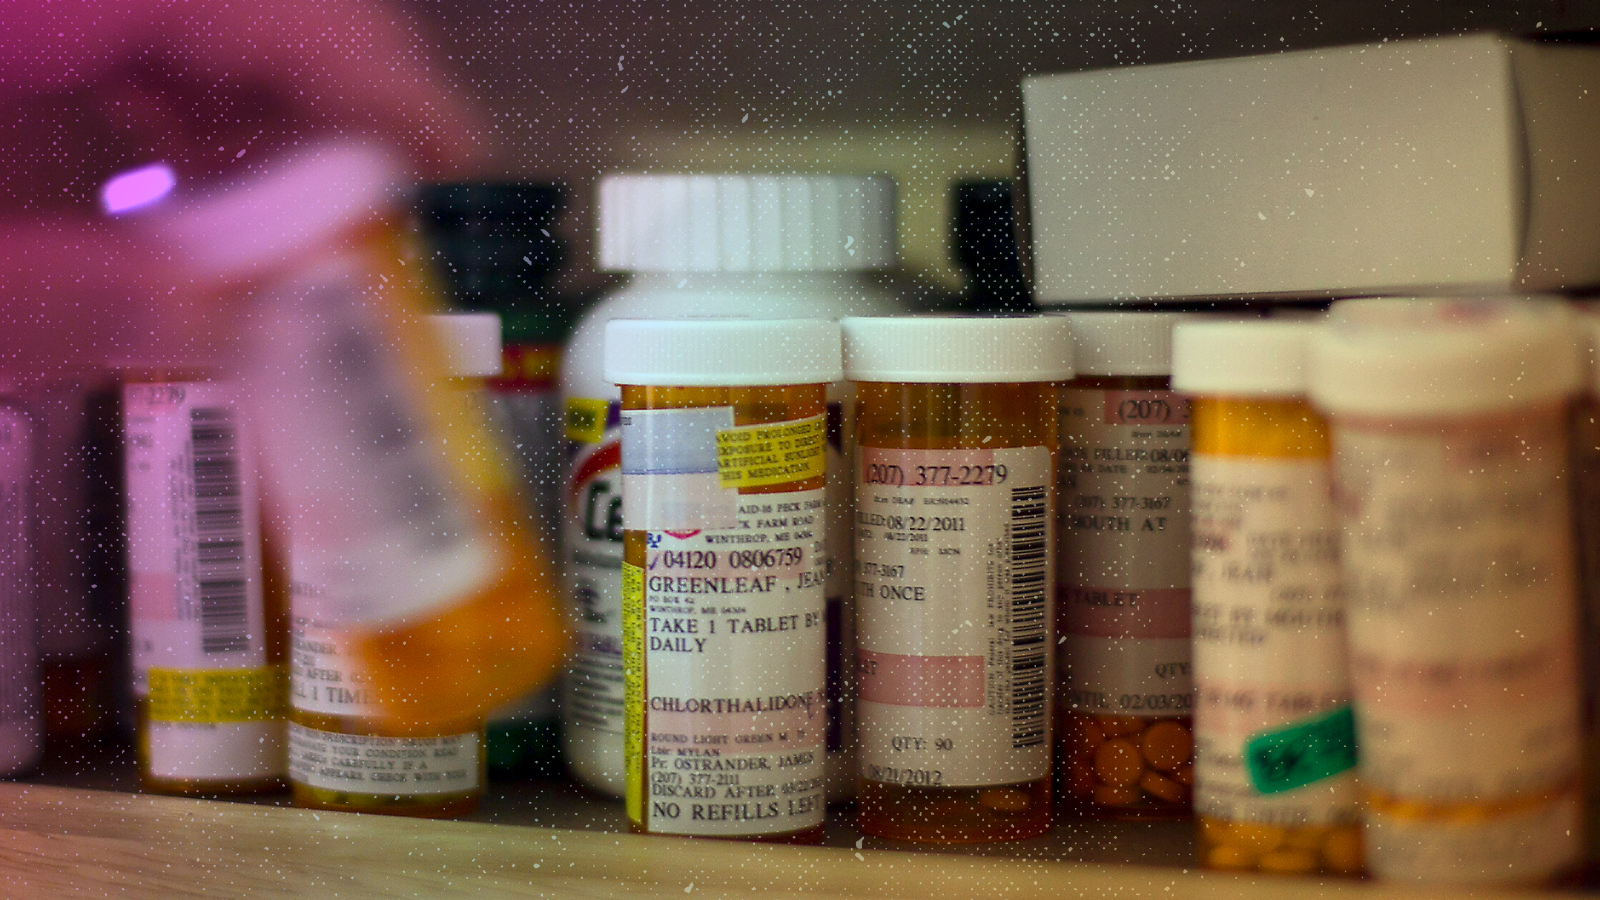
[138, 188]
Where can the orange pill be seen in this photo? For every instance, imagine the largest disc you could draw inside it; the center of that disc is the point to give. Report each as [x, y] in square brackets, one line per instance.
[1288, 861]
[1341, 850]
[1118, 763]
[1260, 838]
[1118, 726]
[1230, 856]
[1115, 795]
[1213, 831]
[1184, 775]
[1083, 738]
[1167, 745]
[1306, 837]
[1162, 788]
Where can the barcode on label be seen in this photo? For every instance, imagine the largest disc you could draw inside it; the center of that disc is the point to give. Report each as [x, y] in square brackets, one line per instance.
[1029, 548]
[221, 577]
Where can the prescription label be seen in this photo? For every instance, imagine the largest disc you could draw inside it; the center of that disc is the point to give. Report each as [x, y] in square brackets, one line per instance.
[197, 621]
[1123, 598]
[592, 543]
[378, 471]
[1273, 739]
[216, 695]
[953, 569]
[385, 766]
[1462, 621]
[762, 455]
[731, 633]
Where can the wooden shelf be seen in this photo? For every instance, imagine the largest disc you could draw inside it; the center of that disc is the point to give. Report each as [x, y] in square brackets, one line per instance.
[79, 828]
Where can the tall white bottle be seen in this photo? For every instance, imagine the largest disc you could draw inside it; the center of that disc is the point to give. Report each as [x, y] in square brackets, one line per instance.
[790, 246]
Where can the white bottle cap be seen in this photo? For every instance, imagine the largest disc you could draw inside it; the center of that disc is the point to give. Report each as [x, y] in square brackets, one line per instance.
[1123, 343]
[746, 223]
[471, 343]
[1250, 358]
[957, 349]
[301, 203]
[1431, 358]
[722, 352]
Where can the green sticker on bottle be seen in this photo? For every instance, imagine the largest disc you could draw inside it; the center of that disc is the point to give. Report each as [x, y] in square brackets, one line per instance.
[1297, 755]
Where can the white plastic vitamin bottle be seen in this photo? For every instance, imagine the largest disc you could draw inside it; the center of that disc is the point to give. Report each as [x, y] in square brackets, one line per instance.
[21, 728]
[409, 544]
[206, 622]
[723, 245]
[1122, 605]
[724, 426]
[334, 717]
[954, 497]
[1274, 766]
[1449, 423]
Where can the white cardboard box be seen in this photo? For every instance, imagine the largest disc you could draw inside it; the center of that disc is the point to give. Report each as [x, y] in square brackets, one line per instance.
[1461, 164]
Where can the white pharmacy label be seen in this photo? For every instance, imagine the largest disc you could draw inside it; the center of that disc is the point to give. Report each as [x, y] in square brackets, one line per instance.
[730, 627]
[194, 540]
[325, 676]
[1269, 641]
[953, 559]
[385, 766]
[196, 614]
[592, 542]
[1461, 604]
[383, 514]
[1123, 599]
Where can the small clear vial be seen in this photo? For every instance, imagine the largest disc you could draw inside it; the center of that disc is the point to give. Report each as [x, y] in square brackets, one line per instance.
[1275, 760]
[420, 775]
[954, 495]
[1449, 426]
[1122, 607]
[724, 625]
[206, 623]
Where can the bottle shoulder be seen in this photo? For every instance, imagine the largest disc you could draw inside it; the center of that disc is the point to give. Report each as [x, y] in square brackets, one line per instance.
[581, 367]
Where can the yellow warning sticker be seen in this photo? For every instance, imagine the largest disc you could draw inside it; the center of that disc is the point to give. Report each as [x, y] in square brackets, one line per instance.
[216, 695]
[586, 419]
[776, 453]
[633, 688]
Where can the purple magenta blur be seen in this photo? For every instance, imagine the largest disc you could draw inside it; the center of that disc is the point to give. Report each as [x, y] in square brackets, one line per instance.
[137, 188]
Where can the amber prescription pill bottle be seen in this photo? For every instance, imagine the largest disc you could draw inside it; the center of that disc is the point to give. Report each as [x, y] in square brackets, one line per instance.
[206, 610]
[1122, 608]
[1449, 424]
[1275, 757]
[724, 626]
[413, 548]
[955, 468]
[341, 755]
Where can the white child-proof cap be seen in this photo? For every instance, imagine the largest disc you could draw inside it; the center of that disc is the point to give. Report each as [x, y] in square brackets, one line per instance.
[1123, 343]
[1248, 358]
[957, 349]
[299, 204]
[471, 342]
[722, 352]
[746, 223]
[1442, 357]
